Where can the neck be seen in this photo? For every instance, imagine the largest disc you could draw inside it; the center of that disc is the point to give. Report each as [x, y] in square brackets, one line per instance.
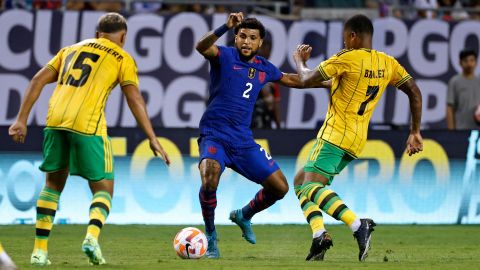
[112, 37]
[468, 75]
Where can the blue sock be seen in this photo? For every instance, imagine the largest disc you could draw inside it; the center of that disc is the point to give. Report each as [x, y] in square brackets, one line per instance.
[263, 199]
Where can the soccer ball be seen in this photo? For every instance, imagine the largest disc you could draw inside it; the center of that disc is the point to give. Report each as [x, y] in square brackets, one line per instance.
[190, 243]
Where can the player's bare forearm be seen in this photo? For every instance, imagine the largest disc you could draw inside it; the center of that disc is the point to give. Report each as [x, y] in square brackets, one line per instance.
[411, 89]
[308, 78]
[139, 110]
[33, 91]
[450, 117]
[205, 45]
[294, 80]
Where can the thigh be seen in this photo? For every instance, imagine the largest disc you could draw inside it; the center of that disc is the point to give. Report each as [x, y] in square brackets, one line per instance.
[56, 150]
[254, 163]
[327, 160]
[213, 150]
[91, 157]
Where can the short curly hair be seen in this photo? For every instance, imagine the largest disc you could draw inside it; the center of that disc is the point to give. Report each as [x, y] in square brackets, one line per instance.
[251, 23]
[111, 23]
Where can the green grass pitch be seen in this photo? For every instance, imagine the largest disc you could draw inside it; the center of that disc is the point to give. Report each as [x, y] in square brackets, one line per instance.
[278, 247]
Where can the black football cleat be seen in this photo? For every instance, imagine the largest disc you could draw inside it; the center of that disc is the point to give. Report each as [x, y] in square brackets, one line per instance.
[363, 235]
[319, 247]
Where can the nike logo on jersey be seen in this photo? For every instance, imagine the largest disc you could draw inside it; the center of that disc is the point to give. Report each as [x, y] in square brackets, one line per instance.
[235, 67]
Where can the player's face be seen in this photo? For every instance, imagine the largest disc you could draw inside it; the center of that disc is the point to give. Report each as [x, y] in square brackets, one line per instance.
[247, 42]
[468, 64]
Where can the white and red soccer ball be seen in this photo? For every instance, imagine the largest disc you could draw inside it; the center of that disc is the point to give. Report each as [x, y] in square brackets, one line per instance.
[190, 243]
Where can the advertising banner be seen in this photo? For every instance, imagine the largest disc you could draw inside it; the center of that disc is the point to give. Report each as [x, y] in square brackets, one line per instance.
[438, 186]
[174, 77]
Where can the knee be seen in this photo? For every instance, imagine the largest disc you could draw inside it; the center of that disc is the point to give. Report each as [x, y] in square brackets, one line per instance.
[299, 177]
[282, 189]
[210, 175]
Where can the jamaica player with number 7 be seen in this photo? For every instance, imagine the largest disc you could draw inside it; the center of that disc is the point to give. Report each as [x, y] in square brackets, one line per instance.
[359, 75]
[75, 137]
[237, 75]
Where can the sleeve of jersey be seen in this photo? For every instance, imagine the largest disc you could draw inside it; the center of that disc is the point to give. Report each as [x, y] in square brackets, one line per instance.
[330, 68]
[128, 72]
[56, 62]
[276, 74]
[400, 75]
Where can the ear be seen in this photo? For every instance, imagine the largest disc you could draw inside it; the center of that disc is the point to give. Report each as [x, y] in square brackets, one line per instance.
[260, 44]
[123, 37]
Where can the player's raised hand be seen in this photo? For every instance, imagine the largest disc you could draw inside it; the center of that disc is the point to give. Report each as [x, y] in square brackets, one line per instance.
[234, 19]
[302, 53]
[157, 149]
[18, 132]
[414, 143]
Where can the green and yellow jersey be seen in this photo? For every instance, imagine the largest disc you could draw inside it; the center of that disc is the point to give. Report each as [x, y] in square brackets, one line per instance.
[87, 73]
[359, 78]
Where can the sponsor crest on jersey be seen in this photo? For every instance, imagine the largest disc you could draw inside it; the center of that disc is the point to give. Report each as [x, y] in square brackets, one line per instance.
[251, 73]
[212, 150]
[261, 76]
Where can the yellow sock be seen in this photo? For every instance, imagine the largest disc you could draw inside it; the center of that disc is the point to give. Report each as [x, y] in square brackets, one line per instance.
[311, 211]
[99, 210]
[329, 202]
[47, 205]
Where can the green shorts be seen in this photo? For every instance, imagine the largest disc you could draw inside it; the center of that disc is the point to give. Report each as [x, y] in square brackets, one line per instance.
[87, 156]
[327, 159]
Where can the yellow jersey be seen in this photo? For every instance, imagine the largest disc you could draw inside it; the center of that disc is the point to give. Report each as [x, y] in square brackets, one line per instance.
[359, 78]
[87, 73]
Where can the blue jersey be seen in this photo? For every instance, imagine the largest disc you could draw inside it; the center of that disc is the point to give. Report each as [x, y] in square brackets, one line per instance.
[234, 87]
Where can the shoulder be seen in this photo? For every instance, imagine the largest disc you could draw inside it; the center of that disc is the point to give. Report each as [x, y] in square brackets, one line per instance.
[456, 79]
[344, 52]
[226, 50]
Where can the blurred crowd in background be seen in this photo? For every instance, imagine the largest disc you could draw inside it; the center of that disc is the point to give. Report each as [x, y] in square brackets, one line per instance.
[406, 9]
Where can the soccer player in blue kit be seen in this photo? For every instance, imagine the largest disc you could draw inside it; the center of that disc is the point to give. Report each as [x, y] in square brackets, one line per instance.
[237, 75]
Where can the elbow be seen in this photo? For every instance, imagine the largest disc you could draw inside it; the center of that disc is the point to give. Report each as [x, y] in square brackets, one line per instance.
[199, 48]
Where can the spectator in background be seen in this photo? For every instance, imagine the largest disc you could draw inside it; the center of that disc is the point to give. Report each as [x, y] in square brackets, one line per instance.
[47, 4]
[463, 94]
[425, 8]
[267, 107]
[147, 7]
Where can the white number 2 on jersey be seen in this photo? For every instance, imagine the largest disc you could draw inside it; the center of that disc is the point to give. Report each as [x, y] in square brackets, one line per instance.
[266, 154]
[249, 88]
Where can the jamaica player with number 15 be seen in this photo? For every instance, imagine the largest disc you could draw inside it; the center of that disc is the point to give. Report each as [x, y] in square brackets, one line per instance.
[75, 139]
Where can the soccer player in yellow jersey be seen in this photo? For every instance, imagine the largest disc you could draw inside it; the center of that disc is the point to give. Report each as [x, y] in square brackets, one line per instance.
[75, 137]
[358, 75]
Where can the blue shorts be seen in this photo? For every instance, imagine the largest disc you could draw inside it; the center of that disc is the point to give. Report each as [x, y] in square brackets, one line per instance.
[254, 163]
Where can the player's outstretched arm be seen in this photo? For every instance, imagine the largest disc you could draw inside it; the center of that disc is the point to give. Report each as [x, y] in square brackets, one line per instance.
[414, 141]
[307, 77]
[139, 110]
[18, 130]
[205, 45]
[293, 80]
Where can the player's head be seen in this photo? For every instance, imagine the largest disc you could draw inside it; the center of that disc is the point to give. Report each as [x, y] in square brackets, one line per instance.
[249, 36]
[468, 60]
[358, 32]
[112, 26]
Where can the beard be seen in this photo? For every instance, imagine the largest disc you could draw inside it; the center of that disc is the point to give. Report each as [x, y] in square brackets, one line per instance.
[246, 58]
